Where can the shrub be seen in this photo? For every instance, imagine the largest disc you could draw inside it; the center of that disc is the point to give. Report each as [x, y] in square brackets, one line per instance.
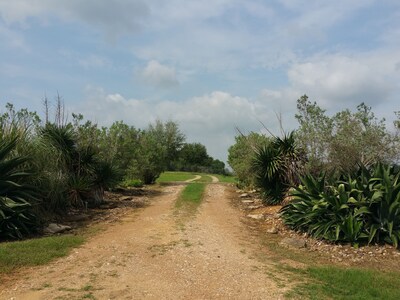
[364, 207]
[132, 183]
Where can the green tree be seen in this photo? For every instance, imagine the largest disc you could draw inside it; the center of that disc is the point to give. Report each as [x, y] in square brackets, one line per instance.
[241, 156]
[314, 134]
[343, 141]
[158, 145]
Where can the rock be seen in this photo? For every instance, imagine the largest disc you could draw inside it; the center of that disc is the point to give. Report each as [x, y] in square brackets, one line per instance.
[294, 242]
[256, 217]
[254, 206]
[244, 195]
[247, 201]
[125, 198]
[54, 228]
[273, 230]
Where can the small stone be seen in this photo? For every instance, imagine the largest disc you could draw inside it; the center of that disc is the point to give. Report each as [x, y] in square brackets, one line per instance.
[54, 228]
[256, 217]
[247, 201]
[273, 230]
[254, 206]
[244, 195]
[294, 242]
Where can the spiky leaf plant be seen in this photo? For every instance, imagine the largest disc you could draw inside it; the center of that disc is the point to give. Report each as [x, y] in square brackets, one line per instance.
[277, 166]
[16, 195]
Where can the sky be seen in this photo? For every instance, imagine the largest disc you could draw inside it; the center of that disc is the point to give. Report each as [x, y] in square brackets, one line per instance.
[211, 66]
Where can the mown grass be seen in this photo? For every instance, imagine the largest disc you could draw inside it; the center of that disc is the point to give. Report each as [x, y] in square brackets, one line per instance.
[330, 282]
[204, 178]
[175, 176]
[192, 193]
[14, 255]
[225, 179]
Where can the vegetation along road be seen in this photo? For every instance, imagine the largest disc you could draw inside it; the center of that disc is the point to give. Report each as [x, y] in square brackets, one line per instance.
[167, 250]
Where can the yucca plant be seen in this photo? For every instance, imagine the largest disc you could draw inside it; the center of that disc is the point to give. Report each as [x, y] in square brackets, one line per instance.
[73, 164]
[16, 195]
[277, 166]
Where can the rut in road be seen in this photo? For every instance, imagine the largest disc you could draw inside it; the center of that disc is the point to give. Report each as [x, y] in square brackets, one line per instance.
[153, 254]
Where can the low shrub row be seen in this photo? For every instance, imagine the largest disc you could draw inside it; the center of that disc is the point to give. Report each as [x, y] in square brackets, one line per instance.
[363, 207]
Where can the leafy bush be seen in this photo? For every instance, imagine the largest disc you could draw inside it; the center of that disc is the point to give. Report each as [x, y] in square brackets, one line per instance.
[362, 208]
[16, 197]
[132, 183]
[241, 156]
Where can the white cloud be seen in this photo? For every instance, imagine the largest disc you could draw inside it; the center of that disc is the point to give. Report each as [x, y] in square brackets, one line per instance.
[114, 17]
[339, 79]
[159, 75]
[209, 119]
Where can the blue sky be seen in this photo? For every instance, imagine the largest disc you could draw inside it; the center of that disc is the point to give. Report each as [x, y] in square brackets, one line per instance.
[208, 65]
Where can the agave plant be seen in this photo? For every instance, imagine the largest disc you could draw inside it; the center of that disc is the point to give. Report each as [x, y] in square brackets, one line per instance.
[385, 205]
[16, 196]
[362, 208]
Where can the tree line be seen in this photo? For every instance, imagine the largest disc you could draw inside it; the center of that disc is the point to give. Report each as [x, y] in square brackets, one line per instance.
[50, 166]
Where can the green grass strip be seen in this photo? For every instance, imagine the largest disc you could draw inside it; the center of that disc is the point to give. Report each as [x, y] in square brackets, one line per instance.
[35, 252]
[348, 283]
[193, 193]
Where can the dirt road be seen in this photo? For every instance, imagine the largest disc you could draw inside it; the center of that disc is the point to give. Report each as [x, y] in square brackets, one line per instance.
[153, 254]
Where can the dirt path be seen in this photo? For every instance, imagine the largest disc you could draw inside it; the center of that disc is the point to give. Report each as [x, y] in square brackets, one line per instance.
[214, 179]
[151, 254]
[197, 177]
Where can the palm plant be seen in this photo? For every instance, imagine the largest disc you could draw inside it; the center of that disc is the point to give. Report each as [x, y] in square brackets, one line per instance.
[16, 196]
[277, 166]
[73, 164]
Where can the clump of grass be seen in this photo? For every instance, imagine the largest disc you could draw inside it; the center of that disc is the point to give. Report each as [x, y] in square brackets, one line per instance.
[35, 252]
[329, 282]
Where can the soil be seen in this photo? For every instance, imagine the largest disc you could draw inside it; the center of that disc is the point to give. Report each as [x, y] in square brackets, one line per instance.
[149, 252]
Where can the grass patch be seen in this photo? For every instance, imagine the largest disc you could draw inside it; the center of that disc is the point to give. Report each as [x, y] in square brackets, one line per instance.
[329, 282]
[192, 193]
[226, 179]
[35, 252]
[188, 201]
[175, 176]
[204, 178]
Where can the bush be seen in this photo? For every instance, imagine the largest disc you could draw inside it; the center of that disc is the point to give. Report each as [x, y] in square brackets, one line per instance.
[132, 183]
[364, 207]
